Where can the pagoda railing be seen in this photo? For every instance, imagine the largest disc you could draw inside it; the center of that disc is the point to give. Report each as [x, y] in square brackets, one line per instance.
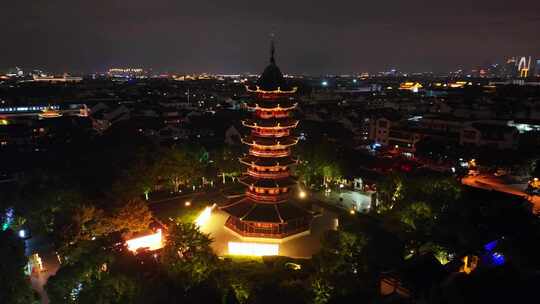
[269, 153]
[272, 114]
[271, 132]
[268, 174]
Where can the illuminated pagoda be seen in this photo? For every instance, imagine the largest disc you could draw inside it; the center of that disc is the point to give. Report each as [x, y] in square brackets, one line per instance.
[267, 210]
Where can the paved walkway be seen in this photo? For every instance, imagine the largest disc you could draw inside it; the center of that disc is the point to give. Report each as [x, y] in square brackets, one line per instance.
[50, 263]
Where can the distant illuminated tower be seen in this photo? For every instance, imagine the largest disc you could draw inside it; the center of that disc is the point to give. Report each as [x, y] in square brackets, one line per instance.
[524, 66]
[267, 210]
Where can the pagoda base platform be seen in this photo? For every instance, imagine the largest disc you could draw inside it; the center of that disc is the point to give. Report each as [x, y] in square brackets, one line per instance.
[302, 245]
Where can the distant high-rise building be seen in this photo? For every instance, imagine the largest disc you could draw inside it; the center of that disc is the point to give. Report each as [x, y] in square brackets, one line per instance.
[537, 68]
[508, 69]
[524, 67]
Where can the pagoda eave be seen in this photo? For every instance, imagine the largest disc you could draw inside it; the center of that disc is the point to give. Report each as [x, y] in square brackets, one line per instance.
[260, 90]
[268, 162]
[274, 124]
[278, 143]
[271, 106]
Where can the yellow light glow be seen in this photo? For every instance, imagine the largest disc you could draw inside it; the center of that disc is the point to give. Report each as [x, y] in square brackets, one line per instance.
[204, 216]
[253, 249]
[302, 194]
[278, 91]
[187, 203]
[152, 242]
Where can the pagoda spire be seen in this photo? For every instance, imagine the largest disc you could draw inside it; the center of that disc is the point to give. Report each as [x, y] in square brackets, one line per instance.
[272, 49]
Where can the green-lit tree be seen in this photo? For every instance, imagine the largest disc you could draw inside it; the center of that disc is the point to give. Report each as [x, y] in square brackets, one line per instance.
[86, 275]
[341, 266]
[179, 167]
[188, 255]
[227, 164]
[319, 164]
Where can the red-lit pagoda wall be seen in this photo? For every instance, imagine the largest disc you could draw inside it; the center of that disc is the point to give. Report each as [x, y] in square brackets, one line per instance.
[270, 138]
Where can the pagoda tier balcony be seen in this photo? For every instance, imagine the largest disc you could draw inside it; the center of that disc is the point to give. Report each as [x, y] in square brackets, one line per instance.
[273, 105]
[269, 142]
[270, 132]
[272, 114]
[274, 123]
[267, 198]
[268, 162]
[270, 153]
[268, 174]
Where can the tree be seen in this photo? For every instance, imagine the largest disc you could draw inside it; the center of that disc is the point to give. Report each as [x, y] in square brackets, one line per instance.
[227, 163]
[88, 222]
[179, 167]
[132, 217]
[341, 266]
[78, 224]
[319, 163]
[188, 255]
[416, 215]
[389, 193]
[14, 285]
[139, 178]
[86, 276]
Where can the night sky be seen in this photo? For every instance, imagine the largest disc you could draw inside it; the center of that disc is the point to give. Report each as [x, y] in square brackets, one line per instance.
[221, 36]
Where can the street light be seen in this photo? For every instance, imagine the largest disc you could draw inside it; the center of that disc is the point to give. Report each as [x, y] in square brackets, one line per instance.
[187, 203]
[302, 194]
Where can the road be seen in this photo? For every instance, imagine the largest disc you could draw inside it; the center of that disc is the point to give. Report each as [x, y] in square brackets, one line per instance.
[492, 183]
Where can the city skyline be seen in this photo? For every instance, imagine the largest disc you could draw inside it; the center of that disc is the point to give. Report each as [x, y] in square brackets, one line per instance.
[231, 37]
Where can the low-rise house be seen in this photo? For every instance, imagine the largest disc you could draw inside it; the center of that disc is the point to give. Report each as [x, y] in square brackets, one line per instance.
[489, 135]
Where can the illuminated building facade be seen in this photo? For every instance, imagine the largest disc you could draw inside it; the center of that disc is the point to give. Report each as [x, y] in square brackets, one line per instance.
[524, 67]
[267, 209]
